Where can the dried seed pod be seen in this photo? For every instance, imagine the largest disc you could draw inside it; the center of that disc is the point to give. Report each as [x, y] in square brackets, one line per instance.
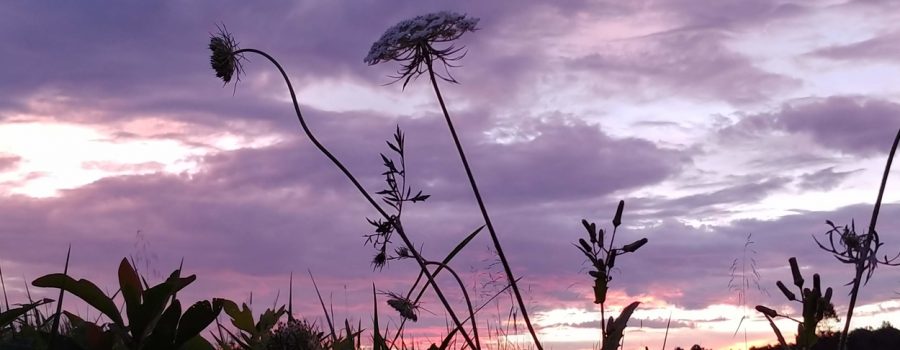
[585, 245]
[817, 285]
[795, 270]
[611, 260]
[787, 293]
[617, 220]
[766, 311]
[632, 247]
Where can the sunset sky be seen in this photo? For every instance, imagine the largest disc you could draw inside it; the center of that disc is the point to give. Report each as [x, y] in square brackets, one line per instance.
[712, 120]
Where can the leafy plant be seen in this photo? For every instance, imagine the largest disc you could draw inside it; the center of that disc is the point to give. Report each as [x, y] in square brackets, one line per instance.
[603, 259]
[155, 318]
[816, 307]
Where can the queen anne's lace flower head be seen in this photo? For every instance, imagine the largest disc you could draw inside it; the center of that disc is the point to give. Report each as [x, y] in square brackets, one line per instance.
[224, 59]
[411, 42]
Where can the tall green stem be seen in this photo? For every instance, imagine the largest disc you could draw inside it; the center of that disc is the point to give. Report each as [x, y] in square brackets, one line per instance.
[864, 254]
[339, 165]
[484, 213]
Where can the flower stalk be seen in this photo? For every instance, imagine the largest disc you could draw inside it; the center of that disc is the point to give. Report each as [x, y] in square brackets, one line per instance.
[226, 58]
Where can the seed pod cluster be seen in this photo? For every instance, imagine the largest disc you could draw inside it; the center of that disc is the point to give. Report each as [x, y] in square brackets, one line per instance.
[816, 305]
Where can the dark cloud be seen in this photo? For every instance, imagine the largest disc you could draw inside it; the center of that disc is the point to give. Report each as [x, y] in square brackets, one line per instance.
[824, 179]
[658, 323]
[851, 125]
[739, 190]
[880, 48]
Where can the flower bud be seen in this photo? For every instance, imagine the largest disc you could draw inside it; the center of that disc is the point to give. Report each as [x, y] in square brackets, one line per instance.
[795, 270]
[617, 220]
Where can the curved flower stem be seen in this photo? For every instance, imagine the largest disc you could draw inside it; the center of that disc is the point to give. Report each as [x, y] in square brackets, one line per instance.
[484, 213]
[864, 254]
[462, 287]
[359, 187]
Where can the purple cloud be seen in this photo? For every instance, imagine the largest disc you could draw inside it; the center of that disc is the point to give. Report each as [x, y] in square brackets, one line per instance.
[852, 125]
[9, 162]
[879, 48]
[692, 61]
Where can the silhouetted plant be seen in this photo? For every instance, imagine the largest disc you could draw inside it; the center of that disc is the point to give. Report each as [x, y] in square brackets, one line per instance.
[860, 249]
[249, 334]
[395, 195]
[816, 307]
[226, 62]
[412, 43]
[744, 277]
[603, 259]
[155, 319]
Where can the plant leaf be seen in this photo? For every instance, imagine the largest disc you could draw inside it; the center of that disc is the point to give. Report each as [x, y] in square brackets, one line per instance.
[83, 289]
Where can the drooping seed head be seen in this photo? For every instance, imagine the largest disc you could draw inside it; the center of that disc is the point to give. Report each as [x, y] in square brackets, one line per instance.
[224, 61]
[404, 306]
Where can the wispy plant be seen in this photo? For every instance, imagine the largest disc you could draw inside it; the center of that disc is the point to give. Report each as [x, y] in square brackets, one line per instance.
[816, 307]
[744, 278]
[396, 193]
[412, 42]
[603, 259]
[860, 249]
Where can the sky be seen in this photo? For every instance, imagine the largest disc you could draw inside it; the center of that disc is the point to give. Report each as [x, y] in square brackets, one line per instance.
[713, 121]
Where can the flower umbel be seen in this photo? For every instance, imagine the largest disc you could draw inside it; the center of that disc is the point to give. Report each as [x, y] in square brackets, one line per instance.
[411, 43]
[223, 60]
[404, 306]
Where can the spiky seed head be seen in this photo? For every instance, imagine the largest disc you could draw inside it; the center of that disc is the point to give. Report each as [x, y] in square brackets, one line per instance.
[404, 306]
[379, 260]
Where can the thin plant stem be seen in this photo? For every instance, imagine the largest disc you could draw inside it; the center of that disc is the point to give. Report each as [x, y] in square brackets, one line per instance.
[462, 287]
[863, 258]
[3, 284]
[602, 323]
[339, 165]
[54, 331]
[481, 206]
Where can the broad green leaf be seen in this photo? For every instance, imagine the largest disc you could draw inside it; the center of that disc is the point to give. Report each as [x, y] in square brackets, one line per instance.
[195, 320]
[83, 289]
